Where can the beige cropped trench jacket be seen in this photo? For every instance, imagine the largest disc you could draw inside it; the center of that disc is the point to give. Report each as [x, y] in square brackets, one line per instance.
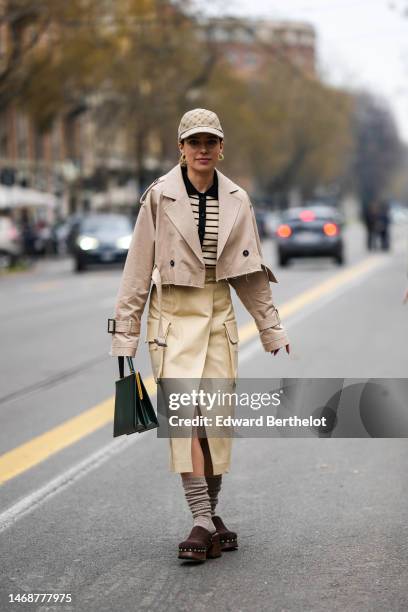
[165, 249]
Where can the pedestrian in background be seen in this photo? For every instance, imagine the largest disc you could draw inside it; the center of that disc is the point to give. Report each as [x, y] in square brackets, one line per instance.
[196, 236]
[383, 224]
[28, 234]
[377, 221]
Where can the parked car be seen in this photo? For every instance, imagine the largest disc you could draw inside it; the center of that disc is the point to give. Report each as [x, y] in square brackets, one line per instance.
[10, 242]
[315, 231]
[100, 239]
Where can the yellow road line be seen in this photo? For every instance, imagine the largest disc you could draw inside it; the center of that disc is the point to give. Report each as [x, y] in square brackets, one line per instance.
[36, 450]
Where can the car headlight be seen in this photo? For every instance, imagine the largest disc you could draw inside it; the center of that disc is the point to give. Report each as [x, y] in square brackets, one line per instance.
[86, 243]
[124, 242]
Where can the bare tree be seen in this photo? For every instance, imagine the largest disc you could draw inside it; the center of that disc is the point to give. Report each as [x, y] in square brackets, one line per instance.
[25, 22]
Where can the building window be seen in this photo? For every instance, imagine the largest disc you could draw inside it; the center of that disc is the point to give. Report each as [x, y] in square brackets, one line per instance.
[3, 136]
[22, 136]
[56, 141]
[232, 56]
[291, 37]
[38, 145]
[251, 60]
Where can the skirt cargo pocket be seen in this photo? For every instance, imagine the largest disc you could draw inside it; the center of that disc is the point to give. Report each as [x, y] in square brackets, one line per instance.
[233, 340]
[156, 352]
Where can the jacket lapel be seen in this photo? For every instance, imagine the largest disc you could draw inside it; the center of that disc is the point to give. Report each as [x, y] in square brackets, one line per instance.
[181, 214]
[179, 210]
[229, 203]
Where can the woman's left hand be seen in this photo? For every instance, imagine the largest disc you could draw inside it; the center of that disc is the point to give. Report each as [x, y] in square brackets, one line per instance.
[277, 350]
[405, 299]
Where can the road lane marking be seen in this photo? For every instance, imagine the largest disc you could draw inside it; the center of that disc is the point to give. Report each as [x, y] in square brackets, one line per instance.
[40, 448]
[36, 450]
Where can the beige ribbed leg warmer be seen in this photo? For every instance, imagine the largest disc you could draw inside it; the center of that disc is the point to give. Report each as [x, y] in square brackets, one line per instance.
[214, 487]
[196, 492]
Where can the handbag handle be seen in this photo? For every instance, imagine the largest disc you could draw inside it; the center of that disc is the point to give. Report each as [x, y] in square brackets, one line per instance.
[121, 361]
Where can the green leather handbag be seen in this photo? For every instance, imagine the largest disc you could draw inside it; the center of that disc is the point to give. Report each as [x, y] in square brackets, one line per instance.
[134, 411]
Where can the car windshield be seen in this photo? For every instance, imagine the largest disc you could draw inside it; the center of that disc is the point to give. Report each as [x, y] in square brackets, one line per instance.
[112, 223]
[316, 213]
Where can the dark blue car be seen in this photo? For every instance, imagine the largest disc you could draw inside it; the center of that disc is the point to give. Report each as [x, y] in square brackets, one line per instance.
[314, 231]
[100, 239]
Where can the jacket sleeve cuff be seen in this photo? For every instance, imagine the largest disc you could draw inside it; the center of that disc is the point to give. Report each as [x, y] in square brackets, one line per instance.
[129, 326]
[271, 320]
[124, 350]
[273, 338]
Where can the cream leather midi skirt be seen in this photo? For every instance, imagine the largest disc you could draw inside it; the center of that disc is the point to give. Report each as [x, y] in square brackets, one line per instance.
[201, 334]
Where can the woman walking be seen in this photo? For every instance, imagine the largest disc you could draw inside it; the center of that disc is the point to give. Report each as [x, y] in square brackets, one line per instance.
[196, 236]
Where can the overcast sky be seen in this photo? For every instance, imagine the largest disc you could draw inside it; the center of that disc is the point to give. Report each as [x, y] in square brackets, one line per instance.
[360, 42]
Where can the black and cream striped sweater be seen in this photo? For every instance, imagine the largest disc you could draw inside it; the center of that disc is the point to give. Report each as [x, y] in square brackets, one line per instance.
[205, 207]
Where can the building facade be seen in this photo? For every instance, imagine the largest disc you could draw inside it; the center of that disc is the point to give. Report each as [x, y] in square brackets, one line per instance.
[251, 44]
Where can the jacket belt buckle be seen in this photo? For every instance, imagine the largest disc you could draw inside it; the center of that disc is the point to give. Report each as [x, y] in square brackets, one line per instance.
[160, 341]
[111, 326]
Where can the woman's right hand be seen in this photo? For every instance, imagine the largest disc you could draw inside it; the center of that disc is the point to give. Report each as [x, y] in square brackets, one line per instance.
[277, 350]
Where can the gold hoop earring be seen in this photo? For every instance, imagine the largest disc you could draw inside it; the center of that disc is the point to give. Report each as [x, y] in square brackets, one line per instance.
[221, 156]
[182, 160]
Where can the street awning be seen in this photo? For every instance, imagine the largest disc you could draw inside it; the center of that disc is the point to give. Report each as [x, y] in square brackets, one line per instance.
[20, 197]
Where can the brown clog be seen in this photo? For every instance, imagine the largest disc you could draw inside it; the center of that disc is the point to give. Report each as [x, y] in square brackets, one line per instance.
[228, 539]
[200, 545]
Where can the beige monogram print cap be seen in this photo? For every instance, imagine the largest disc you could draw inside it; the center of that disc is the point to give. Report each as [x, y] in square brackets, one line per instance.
[199, 120]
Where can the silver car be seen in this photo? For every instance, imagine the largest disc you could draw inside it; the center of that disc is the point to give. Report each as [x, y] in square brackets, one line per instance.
[10, 242]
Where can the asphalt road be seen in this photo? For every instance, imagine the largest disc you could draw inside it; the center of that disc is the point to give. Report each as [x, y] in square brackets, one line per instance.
[322, 523]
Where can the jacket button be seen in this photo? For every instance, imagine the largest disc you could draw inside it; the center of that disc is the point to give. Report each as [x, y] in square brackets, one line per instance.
[245, 253]
[172, 262]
